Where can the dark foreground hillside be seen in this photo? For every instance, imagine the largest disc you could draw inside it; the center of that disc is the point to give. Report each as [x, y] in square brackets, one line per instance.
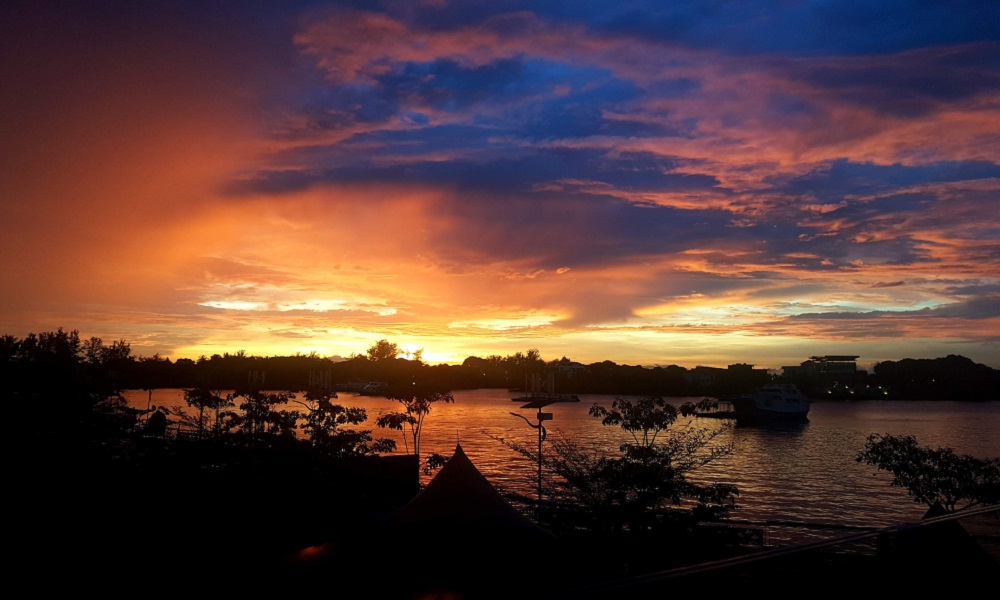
[175, 518]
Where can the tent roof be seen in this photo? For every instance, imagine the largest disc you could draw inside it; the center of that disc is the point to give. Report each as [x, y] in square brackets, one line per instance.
[460, 495]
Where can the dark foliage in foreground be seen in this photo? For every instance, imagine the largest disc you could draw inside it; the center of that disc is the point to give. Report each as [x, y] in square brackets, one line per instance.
[104, 486]
[938, 477]
[106, 496]
[644, 487]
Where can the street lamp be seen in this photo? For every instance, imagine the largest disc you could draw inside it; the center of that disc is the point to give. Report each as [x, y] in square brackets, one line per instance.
[542, 416]
[538, 403]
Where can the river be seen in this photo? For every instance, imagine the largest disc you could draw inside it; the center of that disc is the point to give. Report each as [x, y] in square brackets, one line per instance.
[794, 473]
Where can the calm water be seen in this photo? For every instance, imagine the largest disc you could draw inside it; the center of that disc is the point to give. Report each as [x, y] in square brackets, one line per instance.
[803, 473]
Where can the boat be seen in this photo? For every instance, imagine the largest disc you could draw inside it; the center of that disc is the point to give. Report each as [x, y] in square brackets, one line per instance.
[546, 396]
[373, 388]
[774, 402]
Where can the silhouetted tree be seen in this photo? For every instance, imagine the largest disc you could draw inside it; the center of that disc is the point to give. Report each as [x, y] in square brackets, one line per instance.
[417, 401]
[638, 486]
[204, 399]
[383, 350]
[936, 477]
[259, 417]
[95, 352]
[325, 424]
[949, 378]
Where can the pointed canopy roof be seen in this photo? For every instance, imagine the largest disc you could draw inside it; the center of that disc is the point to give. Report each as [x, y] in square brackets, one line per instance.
[467, 540]
[459, 496]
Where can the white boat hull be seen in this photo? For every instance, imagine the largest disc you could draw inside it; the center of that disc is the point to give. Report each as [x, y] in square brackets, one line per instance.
[772, 403]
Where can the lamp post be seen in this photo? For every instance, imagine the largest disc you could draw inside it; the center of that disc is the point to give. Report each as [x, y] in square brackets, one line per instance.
[538, 399]
[542, 416]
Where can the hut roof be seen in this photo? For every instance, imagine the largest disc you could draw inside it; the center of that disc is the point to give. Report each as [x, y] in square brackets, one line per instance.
[459, 496]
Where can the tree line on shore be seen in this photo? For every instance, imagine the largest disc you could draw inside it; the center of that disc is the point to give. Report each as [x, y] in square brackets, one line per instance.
[53, 358]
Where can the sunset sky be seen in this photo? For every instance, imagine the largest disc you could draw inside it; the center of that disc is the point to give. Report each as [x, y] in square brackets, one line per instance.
[655, 183]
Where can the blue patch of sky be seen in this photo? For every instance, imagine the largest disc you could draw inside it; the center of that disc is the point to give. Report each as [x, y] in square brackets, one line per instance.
[674, 88]
[581, 112]
[842, 177]
[446, 85]
[572, 118]
[817, 27]
[516, 94]
[823, 27]
[578, 110]
[646, 171]
[411, 87]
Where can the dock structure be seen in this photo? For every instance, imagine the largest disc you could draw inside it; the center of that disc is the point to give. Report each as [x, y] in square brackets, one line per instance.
[538, 390]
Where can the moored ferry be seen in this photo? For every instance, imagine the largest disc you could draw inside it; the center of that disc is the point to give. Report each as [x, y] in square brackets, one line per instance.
[777, 401]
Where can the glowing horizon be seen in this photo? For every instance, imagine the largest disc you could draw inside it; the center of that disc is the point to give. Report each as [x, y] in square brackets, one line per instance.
[639, 183]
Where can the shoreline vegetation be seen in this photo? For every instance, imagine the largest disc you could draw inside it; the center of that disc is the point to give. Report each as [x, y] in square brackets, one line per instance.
[291, 475]
[951, 377]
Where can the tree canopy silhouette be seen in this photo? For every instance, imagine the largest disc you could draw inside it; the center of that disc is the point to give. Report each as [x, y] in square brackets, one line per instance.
[937, 477]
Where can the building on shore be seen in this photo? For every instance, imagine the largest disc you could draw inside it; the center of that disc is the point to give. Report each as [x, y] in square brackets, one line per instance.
[841, 368]
[833, 376]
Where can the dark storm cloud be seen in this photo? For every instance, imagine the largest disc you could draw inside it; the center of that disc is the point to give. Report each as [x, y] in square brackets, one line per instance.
[570, 232]
[845, 250]
[841, 178]
[983, 307]
[971, 290]
[911, 84]
[986, 307]
[520, 174]
[977, 309]
[851, 213]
